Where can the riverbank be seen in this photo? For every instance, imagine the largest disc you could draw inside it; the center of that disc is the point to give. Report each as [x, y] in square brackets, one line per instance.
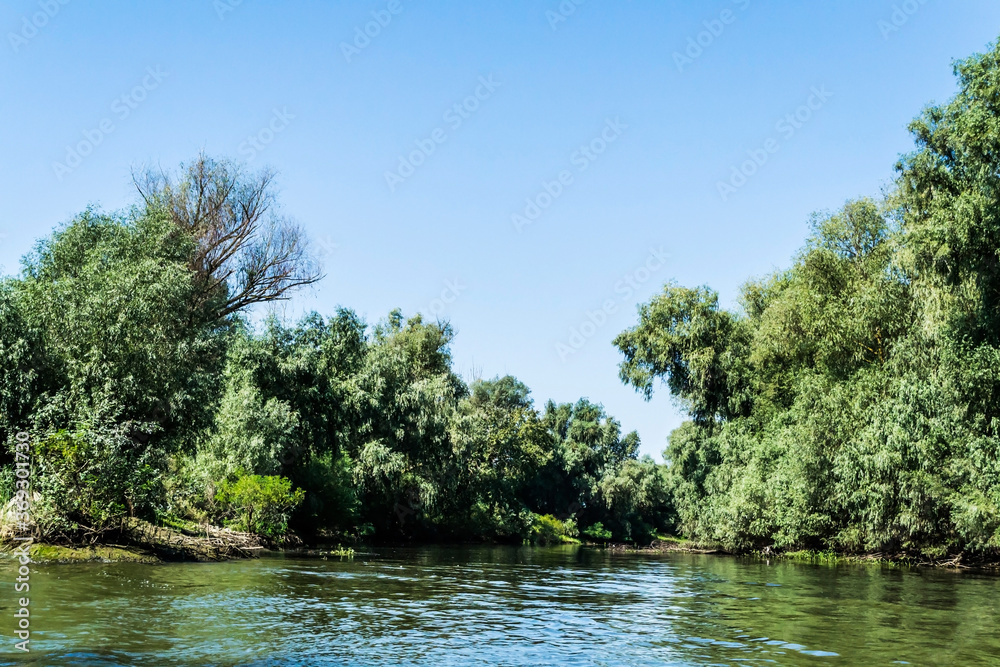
[49, 554]
[146, 543]
[136, 541]
[985, 562]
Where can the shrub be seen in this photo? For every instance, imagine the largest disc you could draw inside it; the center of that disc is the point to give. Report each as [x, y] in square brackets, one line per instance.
[597, 532]
[259, 504]
[546, 529]
[94, 477]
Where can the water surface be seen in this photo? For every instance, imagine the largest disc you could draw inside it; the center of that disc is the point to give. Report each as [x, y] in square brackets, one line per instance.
[503, 606]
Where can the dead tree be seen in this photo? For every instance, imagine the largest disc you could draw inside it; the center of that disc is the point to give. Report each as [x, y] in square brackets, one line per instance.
[247, 252]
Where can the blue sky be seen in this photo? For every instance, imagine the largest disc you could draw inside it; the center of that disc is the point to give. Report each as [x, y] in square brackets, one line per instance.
[617, 120]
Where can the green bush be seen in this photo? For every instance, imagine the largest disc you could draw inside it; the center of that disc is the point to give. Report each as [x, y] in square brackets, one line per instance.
[597, 532]
[259, 504]
[546, 529]
[94, 477]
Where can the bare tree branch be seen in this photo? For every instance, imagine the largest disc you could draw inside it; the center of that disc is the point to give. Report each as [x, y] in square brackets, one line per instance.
[247, 253]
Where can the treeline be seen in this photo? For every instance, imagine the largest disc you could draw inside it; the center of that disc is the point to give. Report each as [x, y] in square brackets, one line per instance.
[852, 402]
[126, 353]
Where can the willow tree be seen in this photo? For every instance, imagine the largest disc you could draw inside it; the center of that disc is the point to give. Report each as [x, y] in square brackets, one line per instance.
[851, 402]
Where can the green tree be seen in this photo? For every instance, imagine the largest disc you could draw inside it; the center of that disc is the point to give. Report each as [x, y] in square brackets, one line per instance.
[851, 401]
[499, 444]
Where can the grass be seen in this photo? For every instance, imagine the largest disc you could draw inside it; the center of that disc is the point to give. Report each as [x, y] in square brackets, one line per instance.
[342, 552]
[829, 558]
[181, 525]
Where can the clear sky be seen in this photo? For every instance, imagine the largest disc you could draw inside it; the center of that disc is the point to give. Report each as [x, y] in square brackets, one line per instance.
[609, 117]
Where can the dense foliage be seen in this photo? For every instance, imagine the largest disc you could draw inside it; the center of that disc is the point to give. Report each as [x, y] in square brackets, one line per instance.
[852, 401]
[126, 353]
[849, 402]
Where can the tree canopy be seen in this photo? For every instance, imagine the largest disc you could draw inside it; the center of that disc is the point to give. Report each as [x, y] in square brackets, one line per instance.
[126, 350]
[849, 402]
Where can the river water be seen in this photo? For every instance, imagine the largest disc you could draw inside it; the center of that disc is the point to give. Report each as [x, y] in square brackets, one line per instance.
[503, 606]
